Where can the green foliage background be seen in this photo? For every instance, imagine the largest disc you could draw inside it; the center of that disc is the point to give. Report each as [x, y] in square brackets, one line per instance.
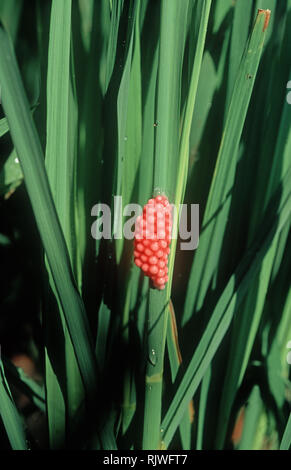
[130, 97]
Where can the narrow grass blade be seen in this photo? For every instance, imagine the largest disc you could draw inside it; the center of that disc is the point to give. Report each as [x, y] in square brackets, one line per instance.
[107, 436]
[286, 439]
[276, 379]
[206, 259]
[10, 175]
[172, 43]
[226, 307]
[154, 370]
[129, 120]
[251, 418]
[89, 79]
[185, 427]
[60, 156]
[222, 8]
[104, 316]
[149, 71]
[174, 352]
[30, 154]
[242, 340]
[248, 319]
[239, 36]
[205, 93]
[202, 408]
[175, 358]
[284, 332]
[4, 128]
[60, 162]
[184, 145]
[129, 392]
[116, 11]
[28, 386]
[9, 415]
[86, 15]
[10, 14]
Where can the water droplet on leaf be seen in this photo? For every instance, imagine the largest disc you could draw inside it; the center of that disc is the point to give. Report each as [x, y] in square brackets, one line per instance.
[153, 357]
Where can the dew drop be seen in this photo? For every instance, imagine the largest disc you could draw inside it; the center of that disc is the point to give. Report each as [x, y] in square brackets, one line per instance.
[153, 357]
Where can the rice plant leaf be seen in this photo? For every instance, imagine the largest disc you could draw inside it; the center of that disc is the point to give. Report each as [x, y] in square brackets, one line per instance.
[171, 47]
[202, 408]
[116, 11]
[184, 145]
[129, 113]
[206, 259]
[133, 137]
[239, 36]
[172, 43]
[286, 439]
[248, 320]
[10, 175]
[149, 64]
[244, 333]
[104, 315]
[90, 159]
[132, 100]
[275, 375]
[129, 96]
[185, 426]
[10, 13]
[10, 416]
[86, 13]
[129, 392]
[251, 419]
[28, 386]
[174, 351]
[226, 307]
[281, 158]
[4, 128]
[222, 7]
[28, 148]
[205, 92]
[55, 403]
[108, 440]
[60, 159]
[284, 332]
[283, 240]
[60, 156]
[154, 369]
[175, 358]
[105, 439]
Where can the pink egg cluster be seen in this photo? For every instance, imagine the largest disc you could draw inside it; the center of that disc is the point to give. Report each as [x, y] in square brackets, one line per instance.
[152, 240]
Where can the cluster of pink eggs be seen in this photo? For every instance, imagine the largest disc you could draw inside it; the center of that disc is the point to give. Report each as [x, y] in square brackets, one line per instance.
[152, 240]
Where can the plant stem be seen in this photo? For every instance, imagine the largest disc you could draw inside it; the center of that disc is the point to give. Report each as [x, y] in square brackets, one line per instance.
[157, 327]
